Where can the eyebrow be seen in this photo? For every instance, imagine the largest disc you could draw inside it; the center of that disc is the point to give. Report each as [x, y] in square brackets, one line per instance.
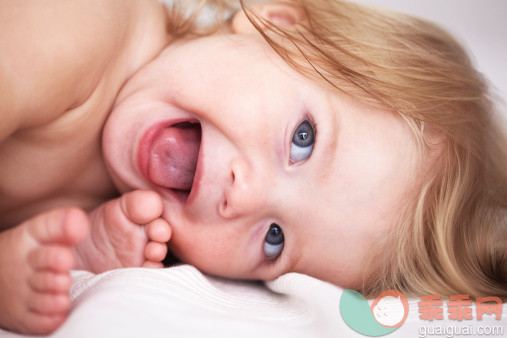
[330, 143]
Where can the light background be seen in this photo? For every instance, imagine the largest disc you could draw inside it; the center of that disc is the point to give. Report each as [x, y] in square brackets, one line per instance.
[480, 25]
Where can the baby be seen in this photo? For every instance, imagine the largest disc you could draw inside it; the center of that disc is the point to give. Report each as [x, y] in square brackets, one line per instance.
[350, 144]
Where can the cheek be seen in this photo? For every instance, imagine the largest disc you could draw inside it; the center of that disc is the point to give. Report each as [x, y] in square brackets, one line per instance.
[209, 249]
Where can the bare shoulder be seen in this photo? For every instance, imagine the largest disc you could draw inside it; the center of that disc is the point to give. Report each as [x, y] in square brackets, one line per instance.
[55, 52]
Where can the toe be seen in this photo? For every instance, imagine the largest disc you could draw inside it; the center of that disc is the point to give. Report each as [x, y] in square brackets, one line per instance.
[42, 324]
[49, 303]
[52, 257]
[153, 265]
[47, 281]
[66, 226]
[159, 231]
[142, 206]
[155, 251]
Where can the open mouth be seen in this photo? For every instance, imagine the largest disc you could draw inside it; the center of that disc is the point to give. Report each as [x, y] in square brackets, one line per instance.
[168, 156]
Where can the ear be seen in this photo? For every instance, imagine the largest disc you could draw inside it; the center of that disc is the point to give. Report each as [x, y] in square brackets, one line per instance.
[282, 14]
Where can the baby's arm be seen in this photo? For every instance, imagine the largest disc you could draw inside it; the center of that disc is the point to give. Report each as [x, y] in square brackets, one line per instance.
[53, 54]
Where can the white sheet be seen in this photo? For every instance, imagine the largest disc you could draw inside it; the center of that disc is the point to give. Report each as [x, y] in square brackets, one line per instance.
[182, 302]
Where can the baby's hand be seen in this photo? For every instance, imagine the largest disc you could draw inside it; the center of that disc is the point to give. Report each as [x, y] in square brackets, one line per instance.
[126, 232]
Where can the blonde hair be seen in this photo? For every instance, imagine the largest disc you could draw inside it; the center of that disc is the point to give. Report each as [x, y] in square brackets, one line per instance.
[451, 237]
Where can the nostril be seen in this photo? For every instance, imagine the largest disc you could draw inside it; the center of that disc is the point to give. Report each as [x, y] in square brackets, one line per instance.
[231, 204]
[222, 209]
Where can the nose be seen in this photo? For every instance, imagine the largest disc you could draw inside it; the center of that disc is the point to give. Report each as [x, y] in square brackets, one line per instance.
[248, 192]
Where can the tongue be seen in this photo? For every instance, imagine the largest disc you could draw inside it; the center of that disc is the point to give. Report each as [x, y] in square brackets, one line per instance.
[173, 157]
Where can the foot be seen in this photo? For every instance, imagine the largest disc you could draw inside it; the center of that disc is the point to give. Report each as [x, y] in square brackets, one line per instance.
[35, 262]
[126, 232]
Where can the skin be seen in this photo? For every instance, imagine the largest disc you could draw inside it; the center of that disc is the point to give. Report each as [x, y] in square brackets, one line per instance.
[87, 204]
[331, 207]
[58, 205]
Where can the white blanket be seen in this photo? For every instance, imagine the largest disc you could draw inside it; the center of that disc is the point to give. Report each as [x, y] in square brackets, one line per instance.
[183, 302]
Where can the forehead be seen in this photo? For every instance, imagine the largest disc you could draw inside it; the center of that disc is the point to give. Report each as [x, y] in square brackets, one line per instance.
[248, 51]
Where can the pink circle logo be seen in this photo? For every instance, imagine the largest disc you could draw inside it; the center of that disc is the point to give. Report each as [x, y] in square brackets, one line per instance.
[390, 308]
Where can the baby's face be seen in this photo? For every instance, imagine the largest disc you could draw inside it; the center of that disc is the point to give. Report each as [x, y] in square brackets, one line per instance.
[288, 176]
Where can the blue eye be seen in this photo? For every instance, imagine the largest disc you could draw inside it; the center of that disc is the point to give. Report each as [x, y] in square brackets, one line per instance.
[302, 142]
[273, 243]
